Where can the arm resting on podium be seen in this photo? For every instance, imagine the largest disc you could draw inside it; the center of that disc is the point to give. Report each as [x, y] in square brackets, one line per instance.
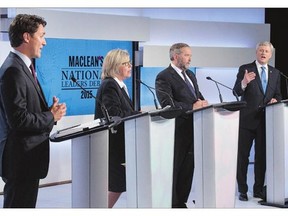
[230, 106]
[167, 112]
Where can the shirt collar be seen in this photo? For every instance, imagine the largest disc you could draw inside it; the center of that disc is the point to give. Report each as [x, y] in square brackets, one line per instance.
[178, 70]
[120, 82]
[259, 66]
[24, 58]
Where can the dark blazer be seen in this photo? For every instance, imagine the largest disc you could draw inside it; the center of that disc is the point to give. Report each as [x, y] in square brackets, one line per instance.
[170, 82]
[256, 99]
[114, 98]
[118, 104]
[25, 122]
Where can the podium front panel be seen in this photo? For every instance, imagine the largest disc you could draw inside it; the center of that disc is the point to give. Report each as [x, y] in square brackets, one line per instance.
[215, 149]
[149, 161]
[277, 153]
[90, 170]
[162, 155]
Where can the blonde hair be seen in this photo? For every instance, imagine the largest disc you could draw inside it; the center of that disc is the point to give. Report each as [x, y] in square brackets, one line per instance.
[112, 61]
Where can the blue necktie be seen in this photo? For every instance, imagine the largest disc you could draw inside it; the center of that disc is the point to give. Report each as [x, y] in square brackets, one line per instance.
[263, 78]
[189, 84]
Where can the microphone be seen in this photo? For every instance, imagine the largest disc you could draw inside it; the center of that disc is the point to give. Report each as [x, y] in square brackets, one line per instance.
[282, 74]
[220, 96]
[149, 88]
[103, 108]
[286, 81]
[167, 112]
[234, 92]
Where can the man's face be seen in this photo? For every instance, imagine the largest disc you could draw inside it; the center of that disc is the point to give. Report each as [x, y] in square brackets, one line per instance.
[263, 54]
[37, 42]
[183, 59]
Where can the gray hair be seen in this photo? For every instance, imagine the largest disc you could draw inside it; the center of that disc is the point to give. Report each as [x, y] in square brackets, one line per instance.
[265, 43]
[176, 49]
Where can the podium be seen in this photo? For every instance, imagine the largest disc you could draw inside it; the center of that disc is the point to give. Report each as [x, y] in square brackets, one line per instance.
[277, 154]
[149, 141]
[90, 144]
[149, 152]
[216, 129]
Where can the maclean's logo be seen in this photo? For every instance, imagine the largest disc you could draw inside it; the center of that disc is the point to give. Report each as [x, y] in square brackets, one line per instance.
[86, 70]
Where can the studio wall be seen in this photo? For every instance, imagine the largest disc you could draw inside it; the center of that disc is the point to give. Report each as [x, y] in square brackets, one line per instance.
[216, 45]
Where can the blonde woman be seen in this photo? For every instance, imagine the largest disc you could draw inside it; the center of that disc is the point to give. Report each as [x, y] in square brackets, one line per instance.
[114, 95]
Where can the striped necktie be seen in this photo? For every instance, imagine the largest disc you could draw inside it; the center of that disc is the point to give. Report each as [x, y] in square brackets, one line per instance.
[188, 83]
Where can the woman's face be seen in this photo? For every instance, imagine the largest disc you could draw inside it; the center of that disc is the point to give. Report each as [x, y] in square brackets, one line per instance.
[125, 70]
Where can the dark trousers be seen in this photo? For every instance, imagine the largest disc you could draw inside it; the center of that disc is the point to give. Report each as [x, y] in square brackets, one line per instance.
[183, 166]
[246, 138]
[20, 193]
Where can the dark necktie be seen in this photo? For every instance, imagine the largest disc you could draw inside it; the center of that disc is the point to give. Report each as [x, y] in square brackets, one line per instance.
[188, 83]
[263, 78]
[33, 73]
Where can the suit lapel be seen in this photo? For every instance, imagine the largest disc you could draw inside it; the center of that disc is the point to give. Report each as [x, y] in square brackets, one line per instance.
[271, 79]
[127, 98]
[193, 79]
[123, 92]
[35, 85]
[179, 79]
[184, 85]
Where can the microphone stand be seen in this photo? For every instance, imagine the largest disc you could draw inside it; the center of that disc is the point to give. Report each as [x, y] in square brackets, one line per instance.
[103, 108]
[286, 81]
[167, 112]
[149, 88]
[220, 96]
[234, 92]
[171, 100]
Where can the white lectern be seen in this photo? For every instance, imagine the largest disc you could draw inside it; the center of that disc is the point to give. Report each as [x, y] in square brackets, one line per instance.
[215, 148]
[149, 141]
[277, 154]
[89, 164]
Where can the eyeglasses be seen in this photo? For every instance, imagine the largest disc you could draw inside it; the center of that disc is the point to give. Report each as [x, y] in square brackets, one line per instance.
[128, 63]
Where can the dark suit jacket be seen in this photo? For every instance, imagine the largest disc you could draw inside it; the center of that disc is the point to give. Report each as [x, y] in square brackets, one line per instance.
[170, 82]
[114, 98]
[254, 95]
[118, 104]
[25, 122]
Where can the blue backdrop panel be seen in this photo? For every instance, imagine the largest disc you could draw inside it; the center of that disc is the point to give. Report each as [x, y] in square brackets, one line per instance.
[63, 58]
[148, 76]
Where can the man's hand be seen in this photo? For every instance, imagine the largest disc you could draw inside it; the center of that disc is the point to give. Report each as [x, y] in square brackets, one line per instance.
[273, 100]
[248, 77]
[58, 110]
[199, 104]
